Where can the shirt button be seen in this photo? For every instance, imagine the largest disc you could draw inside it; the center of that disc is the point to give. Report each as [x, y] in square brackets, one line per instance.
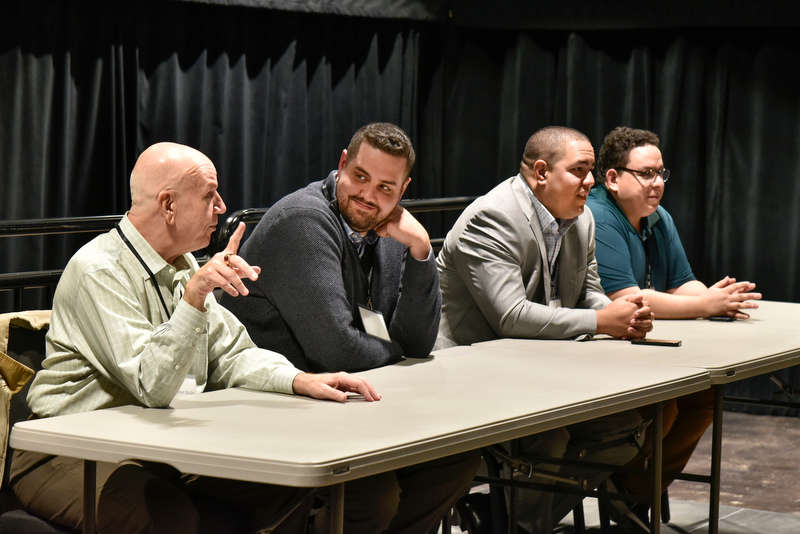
[177, 367]
[171, 271]
[198, 329]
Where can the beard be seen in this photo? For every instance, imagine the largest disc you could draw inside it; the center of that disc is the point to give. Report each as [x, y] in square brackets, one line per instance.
[357, 220]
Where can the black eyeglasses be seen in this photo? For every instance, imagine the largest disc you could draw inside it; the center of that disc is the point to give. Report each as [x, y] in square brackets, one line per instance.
[649, 176]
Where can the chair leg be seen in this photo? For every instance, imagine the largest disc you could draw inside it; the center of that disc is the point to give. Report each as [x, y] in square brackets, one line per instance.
[446, 528]
[605, 515]
[579, 519]
[665, 517]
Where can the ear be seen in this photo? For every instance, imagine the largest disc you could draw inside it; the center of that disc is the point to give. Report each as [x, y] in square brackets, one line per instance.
[342, 160]
[612, 180]
[403, 188]
[166, 204]
[540, 169]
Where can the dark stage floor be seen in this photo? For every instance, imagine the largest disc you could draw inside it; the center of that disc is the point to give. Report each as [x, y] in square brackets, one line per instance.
[760, 487]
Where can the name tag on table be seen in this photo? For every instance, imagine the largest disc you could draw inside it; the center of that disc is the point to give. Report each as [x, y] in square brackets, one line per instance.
[189, 386]
[374, 324]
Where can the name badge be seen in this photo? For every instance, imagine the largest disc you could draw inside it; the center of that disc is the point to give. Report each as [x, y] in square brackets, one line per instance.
[555, 303]
[189, 386]
[374, 324]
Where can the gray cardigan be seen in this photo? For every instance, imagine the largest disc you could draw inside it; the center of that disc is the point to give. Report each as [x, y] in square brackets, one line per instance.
[305, 302]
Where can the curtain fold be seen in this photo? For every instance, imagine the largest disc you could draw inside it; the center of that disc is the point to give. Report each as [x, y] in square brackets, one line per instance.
[273, 97]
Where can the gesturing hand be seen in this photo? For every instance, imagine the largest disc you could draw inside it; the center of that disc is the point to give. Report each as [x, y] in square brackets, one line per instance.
[224, 270]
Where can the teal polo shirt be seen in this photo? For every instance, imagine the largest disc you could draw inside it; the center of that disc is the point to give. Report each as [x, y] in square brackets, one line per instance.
[620, 250]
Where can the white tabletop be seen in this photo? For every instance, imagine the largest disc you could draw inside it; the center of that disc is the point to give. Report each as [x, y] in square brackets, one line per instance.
[460, 399]
[730, 351]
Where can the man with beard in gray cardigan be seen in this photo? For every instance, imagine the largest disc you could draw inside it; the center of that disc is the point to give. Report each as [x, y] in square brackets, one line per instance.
[350, 283]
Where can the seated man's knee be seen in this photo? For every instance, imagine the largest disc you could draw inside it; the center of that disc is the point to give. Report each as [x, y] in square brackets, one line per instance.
[552, 443]
[134, 500]
[370, 504]
[613, 439]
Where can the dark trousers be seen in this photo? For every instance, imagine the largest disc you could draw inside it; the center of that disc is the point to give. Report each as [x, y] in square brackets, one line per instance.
[155, 498]
[685, 421]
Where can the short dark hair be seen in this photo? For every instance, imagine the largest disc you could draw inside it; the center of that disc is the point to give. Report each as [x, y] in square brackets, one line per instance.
[386, 137]
[548, 144]
[617, 147]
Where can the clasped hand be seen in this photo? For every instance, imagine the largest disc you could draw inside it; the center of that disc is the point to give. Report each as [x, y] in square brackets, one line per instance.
[627, 317]
[729, 297]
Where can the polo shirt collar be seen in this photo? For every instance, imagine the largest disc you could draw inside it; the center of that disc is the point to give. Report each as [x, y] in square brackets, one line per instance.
[602, 193]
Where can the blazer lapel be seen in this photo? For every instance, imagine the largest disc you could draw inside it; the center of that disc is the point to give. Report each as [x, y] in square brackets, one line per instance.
[520, 189]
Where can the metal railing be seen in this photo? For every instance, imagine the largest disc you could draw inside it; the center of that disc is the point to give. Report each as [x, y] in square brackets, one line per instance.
[48, 279]
[18, 282]
[252, 215]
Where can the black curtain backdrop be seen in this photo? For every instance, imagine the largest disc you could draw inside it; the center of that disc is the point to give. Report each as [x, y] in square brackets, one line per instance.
[272, 92]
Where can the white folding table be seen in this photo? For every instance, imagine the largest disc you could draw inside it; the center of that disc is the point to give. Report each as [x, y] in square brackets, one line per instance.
[729, 351]
[457, 400]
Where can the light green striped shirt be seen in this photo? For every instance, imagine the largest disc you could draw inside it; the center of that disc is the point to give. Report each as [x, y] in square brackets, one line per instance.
[112, 343]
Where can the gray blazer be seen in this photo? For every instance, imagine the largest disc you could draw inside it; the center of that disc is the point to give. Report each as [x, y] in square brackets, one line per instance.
[495, 278]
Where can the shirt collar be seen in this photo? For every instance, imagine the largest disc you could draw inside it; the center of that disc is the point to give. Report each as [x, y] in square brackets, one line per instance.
[150, 257]
[602, 193]
[179, 271]
[548, 223]
[357, 239]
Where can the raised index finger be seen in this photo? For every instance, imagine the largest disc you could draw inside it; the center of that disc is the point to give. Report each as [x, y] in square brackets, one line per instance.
[236, 239]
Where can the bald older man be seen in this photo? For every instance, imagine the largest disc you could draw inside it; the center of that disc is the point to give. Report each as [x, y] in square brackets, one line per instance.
[134, 323]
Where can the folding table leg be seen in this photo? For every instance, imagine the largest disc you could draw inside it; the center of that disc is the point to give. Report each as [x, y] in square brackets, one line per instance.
[655, 468]
[716, 461]
[337, 509]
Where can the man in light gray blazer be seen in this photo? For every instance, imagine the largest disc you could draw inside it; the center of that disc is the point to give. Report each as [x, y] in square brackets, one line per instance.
[520, 263]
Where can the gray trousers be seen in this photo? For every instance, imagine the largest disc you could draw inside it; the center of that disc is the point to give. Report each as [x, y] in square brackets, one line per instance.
[134, 497]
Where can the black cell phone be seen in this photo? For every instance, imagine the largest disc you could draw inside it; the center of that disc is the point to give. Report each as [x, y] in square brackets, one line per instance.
[657, 342]
[722, 318]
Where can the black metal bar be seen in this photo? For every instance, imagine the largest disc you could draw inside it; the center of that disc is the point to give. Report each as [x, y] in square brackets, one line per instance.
[437, 204]
[30, 279]
[763, 402]
[252, 215]
[561, 488]
[66, 225]
[20, 281]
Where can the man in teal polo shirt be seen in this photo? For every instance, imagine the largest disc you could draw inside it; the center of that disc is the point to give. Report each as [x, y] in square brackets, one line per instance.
[638, 250]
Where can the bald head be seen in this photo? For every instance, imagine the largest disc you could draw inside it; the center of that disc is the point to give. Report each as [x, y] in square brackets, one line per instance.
[165, 166]
[174, 200]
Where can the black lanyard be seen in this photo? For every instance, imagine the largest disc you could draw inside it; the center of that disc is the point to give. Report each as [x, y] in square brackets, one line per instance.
[146, 268]
[648, 279]
[366, 270]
